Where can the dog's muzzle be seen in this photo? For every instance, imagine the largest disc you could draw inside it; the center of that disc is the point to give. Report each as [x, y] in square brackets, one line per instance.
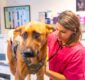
[33, 68]
[28, 53]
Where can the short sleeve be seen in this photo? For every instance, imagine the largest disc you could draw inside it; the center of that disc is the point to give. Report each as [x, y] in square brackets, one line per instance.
[75, 70]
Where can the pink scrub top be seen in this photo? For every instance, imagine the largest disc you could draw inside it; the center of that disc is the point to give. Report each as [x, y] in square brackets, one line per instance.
[69, 61]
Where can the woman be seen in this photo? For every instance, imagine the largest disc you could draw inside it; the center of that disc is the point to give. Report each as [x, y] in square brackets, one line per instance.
[66, 53]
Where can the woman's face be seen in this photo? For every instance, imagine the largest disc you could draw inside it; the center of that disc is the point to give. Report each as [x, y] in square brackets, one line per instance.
[63, 34]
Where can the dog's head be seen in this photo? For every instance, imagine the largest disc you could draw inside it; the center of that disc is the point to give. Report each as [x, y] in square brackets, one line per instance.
[32, 38]
[30, 44]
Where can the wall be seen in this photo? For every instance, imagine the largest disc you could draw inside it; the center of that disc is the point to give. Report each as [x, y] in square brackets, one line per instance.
[39, 6]
[53, 5]
[2, 4]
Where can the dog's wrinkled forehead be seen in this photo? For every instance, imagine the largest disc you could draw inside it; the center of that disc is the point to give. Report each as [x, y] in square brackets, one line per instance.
[34, 28]
[39, 27]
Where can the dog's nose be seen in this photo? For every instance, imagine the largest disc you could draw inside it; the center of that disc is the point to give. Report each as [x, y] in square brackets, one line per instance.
[28, 53]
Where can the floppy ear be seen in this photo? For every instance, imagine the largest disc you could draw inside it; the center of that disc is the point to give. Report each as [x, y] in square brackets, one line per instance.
[18, 31]
[49, 28]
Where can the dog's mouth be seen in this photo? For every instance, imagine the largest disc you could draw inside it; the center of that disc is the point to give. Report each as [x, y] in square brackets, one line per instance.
[32, 61]
[34, 68]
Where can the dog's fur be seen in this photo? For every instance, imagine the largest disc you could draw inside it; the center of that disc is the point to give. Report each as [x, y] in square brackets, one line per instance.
[32, 36]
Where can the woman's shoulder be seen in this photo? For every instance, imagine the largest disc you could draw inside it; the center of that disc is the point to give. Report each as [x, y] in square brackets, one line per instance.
[78, 49]
[52, 35]
[52, 38]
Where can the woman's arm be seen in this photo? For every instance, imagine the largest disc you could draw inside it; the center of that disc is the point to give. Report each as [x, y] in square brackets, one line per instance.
[55, 75]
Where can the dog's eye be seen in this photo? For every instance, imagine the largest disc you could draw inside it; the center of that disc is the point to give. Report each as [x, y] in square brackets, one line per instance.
[25, 35]
[36, 35]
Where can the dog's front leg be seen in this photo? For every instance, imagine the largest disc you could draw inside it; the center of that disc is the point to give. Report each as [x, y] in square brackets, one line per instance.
[17, 75]
[28, 77]
[21, 75]
[40, 74]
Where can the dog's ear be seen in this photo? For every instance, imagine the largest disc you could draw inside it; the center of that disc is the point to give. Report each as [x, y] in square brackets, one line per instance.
[18, 31]
[49, 28]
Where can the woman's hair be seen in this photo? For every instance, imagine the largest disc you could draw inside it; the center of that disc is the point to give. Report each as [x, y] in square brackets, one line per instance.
[70, 21]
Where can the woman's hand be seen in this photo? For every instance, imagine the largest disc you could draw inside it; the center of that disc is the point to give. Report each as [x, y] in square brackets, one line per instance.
[54, 75]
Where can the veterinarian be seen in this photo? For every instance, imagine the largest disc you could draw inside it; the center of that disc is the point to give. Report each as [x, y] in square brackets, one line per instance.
[66, 54]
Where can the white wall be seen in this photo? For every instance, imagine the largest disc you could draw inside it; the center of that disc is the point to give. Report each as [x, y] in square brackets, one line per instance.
[2, 4]
[39, 6]
[53, 5]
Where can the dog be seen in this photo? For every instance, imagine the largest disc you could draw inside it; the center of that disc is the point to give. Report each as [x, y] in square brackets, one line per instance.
[27, 50]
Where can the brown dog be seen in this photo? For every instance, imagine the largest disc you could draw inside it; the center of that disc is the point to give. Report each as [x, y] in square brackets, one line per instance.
[27, 51]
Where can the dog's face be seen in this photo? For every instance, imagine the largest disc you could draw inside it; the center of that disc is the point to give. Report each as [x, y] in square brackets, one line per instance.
[32, 38]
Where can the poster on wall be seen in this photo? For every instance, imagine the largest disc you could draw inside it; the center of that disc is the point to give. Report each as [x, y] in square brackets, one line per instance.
[16, 16]
[80, 5]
